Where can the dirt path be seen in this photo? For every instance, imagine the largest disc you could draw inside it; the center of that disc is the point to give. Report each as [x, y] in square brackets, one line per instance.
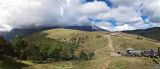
[110, 45]
[107, 52]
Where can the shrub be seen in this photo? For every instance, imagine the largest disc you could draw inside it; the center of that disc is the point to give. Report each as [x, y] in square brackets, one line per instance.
[86, 55]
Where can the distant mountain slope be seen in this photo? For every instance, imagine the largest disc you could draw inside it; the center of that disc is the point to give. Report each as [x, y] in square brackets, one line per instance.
[10, 35]
[2, 33]
[152, 33]
[85, 28]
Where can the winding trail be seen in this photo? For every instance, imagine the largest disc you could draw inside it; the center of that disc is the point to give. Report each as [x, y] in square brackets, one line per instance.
[107, 52]
[110, 45]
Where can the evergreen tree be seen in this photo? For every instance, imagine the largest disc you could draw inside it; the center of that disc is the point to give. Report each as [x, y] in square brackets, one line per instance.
[20, 43]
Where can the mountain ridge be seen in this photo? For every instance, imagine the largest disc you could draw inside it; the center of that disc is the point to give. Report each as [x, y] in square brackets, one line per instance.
[11, 34]
[152, 33]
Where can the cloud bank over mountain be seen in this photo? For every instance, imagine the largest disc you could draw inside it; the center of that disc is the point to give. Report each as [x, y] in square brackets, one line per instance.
[113, 15]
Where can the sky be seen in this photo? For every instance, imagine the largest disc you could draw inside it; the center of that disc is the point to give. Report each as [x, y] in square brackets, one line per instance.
[111, 15]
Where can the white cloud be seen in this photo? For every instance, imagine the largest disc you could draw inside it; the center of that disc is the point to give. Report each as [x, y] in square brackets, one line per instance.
[151, 7]
[104, 25]
[26, 13]
[117, 28]
[128, 14]
[123, 27]
[123, 14]
[38, 13]
[108, 26]
[94, 8]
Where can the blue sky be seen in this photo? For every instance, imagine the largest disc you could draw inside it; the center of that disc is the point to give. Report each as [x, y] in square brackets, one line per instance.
[108, 2]
[112, 15]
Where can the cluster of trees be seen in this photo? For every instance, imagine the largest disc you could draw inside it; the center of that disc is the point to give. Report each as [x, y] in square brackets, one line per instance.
[51, 50]
[15, 48]
[41, 49]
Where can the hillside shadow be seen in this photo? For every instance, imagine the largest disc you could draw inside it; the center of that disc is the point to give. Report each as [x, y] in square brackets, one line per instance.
[12, 65]
[41, 62]
[9, 63]
[152, 33]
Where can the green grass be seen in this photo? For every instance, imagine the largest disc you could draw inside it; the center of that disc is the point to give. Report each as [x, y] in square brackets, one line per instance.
[93, 41]
[131, 63]
[124, 41]
[11, 65]
[152, 33]
[88, 41]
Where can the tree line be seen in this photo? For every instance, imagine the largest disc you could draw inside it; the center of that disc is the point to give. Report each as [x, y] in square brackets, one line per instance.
[42, 49]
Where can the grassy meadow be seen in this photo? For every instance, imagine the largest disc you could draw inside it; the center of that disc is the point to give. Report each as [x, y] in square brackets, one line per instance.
[96, 42]
[99, 44]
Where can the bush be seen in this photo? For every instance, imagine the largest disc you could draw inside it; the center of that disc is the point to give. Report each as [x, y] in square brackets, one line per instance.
[98, 36]
[86, 55]
[139, 38]
[32, 52]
